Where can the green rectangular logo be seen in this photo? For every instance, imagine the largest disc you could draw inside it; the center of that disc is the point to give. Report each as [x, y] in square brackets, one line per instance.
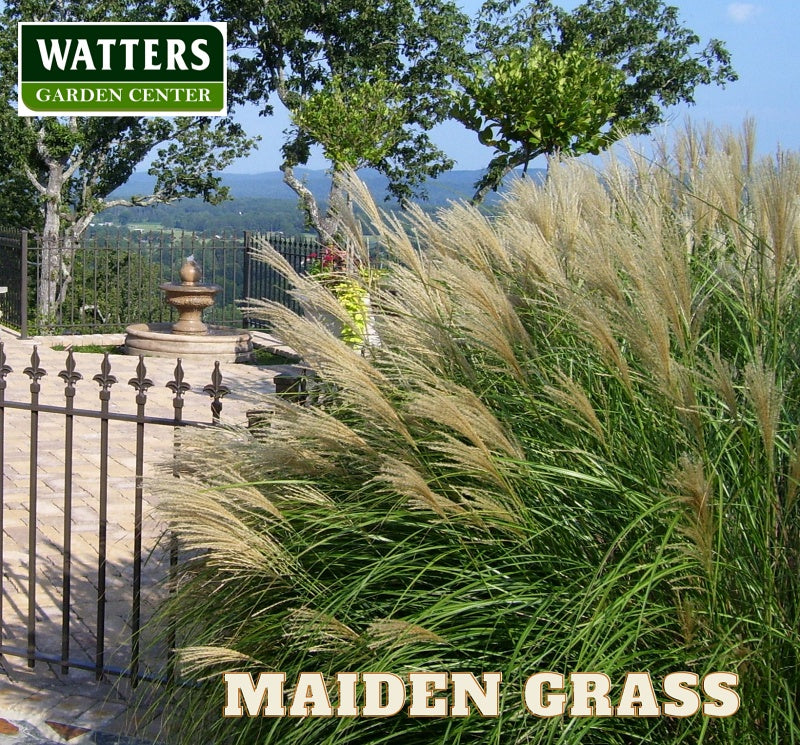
[122, 69]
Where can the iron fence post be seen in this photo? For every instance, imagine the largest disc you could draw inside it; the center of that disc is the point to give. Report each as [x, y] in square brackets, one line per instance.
[141, 384]
[70, 376]
[105, 380]
[4, 371]
[179, 388]
[246, 276]
[23, 286]
[35, 372]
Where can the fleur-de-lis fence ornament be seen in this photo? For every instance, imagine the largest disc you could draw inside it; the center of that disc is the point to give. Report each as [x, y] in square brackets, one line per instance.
[104, 378]
[178, 386]
[70, 376]
[141, 382]
[35, 371]
[5, 369]
[216, 390]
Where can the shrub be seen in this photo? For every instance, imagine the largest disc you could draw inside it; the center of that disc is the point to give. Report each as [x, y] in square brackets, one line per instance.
[576, 448]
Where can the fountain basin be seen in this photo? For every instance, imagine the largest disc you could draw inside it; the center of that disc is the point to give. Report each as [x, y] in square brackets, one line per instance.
[222, 343]
[190, 300]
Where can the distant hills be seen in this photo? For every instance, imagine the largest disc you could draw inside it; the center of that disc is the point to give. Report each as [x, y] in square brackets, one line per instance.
[452, 185]
[262, 202]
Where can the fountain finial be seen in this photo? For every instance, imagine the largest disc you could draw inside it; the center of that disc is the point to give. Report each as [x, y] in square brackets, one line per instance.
[190, 272]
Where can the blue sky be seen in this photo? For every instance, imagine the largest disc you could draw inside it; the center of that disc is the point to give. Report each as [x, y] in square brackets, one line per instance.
[764, 42]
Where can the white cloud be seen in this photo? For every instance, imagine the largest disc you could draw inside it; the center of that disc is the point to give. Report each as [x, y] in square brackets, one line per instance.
[743, 12]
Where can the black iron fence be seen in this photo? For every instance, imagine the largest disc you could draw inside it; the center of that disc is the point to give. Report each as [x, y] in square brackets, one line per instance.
[74, 567]
[113, 281]
[262, 281]
[14, 277]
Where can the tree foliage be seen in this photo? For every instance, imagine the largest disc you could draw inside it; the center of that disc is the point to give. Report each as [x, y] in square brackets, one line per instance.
[111, 287]
[539, 100]
[659, 63]
[356, 125]
[297, 51]
[19, 201]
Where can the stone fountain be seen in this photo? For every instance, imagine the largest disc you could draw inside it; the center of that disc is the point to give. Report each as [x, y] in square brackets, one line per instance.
[189, 337]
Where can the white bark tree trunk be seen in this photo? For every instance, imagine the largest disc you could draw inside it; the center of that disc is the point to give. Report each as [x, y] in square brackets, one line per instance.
[50, 272]
[59, 242]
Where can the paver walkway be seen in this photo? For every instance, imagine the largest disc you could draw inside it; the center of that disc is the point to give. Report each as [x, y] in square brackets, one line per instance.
[43, 706]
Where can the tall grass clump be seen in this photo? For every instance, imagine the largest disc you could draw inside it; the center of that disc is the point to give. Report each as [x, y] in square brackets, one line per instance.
[575, 447]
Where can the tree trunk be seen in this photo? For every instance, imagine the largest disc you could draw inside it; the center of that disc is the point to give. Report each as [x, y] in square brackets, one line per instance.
[493, 185]
[493, 181]
[309, 204]
[50, 263]
[326, 226]
[57, 247]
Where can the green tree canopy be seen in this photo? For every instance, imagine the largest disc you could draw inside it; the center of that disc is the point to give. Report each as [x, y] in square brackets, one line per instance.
[357, 125]
[640, 48]
[19, 201]
[304, 53]
[539, 100]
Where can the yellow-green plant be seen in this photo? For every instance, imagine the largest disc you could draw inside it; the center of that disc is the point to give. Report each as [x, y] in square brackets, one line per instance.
[356, 123]
[533, 101]
[353, 296]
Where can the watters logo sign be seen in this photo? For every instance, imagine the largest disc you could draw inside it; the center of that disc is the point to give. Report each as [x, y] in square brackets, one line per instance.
[122, 69]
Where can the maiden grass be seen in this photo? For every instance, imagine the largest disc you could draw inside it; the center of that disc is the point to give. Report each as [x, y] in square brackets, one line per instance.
[576, 448]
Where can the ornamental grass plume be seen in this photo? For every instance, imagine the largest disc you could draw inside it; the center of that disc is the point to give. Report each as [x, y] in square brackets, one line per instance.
[574, 448]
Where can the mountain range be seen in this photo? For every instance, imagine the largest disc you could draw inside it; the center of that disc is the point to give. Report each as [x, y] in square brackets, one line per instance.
[451, 185]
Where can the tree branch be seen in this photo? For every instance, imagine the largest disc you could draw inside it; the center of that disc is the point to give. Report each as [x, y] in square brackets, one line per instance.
[496, 172]
[308, 201]
[151, 199]
[31, 176]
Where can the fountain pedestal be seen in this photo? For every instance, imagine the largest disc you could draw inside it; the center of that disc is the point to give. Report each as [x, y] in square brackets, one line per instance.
[189, 337]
